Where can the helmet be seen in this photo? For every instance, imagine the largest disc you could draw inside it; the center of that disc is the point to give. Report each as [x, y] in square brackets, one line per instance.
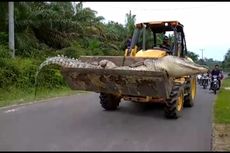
[166, 38]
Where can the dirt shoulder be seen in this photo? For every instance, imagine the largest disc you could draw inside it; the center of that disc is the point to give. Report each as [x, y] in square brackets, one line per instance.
[221, 137]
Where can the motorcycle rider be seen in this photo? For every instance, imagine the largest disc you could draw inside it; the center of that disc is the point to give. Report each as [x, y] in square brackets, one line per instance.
[204, 77]
[216, 71]
[199, 77]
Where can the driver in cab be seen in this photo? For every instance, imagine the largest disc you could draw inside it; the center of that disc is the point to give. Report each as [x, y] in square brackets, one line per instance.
[165, 44]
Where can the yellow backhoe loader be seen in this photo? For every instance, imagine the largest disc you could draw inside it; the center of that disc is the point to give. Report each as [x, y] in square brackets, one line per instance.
[140, 86]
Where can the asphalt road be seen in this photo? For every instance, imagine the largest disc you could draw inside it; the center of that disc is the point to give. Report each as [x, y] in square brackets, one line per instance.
[79, 123]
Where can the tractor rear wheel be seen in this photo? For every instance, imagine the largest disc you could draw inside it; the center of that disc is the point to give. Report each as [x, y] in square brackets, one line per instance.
[174, 105]
[190, 88]
[109, 101]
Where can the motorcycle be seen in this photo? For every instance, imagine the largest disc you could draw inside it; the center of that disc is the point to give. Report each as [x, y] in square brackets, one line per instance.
[205, 81]
[215, 83]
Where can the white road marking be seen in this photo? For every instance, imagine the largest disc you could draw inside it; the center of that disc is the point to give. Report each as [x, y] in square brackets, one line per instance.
[12, 110]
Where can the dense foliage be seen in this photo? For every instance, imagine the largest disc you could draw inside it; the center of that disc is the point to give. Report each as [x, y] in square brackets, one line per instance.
[226, 62]
[46, 29]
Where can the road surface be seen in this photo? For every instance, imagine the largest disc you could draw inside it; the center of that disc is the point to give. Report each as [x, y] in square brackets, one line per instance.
[78, 123]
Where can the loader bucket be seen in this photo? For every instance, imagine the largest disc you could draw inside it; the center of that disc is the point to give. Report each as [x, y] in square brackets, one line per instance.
[118, 82]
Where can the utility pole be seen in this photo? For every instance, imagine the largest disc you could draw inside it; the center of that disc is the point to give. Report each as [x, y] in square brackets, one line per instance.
[11, 28]
[202, 53]
[202, 50]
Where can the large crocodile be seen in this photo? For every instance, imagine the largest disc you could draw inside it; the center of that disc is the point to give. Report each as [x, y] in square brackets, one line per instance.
[174, 66]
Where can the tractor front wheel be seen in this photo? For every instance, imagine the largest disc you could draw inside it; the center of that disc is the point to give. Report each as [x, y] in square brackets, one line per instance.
[109, 101]
[174, 105]
[191, 93]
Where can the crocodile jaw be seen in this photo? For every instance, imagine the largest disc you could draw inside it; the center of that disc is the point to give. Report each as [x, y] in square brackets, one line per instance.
[178, 67]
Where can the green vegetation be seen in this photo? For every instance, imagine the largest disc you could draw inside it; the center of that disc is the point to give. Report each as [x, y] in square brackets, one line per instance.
[209, 62]
[222, 104]
[226, 62]
[193, 56]
[47, 29]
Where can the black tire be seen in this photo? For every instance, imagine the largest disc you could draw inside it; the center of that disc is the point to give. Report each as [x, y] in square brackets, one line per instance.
[214, 88]
[109, 101]
[188, 100]
[204, 86]
[171, 109]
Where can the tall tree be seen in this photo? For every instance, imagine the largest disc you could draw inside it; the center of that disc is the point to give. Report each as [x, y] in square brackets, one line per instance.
[58, 24]
[130, 23]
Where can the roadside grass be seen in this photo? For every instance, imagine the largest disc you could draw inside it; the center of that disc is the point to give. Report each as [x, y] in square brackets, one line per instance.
[222, 104]
[13, 96]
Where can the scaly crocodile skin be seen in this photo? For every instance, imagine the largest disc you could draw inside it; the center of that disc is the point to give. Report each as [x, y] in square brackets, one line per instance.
[174, 66]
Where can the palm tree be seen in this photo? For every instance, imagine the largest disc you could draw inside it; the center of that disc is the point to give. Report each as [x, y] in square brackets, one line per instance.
[57, 24]
[130, 23]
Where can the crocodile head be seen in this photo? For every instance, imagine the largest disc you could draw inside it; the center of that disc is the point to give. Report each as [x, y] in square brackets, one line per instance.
[177, 67]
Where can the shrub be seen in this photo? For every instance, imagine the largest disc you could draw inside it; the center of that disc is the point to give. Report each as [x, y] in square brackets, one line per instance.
[3, 38]
[20, 72]
[50, 77]
[73, 52]
[4, 51]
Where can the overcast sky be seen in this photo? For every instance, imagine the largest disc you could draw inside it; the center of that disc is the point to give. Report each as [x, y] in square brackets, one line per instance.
[206, 24]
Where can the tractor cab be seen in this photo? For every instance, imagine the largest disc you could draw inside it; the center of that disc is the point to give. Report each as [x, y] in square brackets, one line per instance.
[148, 38]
